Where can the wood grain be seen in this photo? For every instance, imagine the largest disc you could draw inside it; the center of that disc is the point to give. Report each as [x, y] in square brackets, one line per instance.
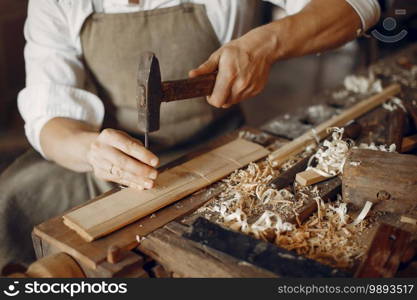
[409, 143]
[309, 177]
[122, 208]
[387, 179]
[396, 128]
[385, 253]
[298, 145]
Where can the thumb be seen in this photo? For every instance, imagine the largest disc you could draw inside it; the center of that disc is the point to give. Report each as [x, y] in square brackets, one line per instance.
[207, 67]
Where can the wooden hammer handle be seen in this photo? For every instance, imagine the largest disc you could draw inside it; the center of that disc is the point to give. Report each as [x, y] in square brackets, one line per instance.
[188, 88]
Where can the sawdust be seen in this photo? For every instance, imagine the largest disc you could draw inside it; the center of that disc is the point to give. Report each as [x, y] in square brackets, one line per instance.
[394, 104]
[249, 205]
[330, 159]
[363, 85]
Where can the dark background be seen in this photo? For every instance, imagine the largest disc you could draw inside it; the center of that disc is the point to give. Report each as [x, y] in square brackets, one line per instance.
[292, 83]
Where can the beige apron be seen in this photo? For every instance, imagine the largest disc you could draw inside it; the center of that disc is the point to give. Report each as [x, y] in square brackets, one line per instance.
[33, 190]
[182, 37]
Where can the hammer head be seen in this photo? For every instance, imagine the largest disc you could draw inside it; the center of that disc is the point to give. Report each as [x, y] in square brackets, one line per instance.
[149, 92]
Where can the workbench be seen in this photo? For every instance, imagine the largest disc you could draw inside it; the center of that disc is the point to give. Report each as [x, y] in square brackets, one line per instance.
[187, 245]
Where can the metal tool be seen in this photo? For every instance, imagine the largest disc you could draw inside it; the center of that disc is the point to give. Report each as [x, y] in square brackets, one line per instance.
[151, 92]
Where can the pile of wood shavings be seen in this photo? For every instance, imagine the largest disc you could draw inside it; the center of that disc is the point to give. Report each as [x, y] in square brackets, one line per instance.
[331, 158]
[363, 85]
[250, 206]
[328, 236]
[394, 104]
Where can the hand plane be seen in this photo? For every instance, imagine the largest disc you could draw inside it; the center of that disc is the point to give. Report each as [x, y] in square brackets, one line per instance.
[151, 92]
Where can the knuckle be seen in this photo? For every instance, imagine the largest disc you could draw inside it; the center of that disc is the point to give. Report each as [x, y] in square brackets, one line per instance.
[241, 85]
[95, 146]
[141, 171]
[229, 49]
[121, 162]
[131, 146]
[214, 102]
[229, 73]
[107, 134]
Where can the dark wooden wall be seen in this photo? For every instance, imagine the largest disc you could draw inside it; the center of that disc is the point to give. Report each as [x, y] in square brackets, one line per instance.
[12, 79]
[12, 68]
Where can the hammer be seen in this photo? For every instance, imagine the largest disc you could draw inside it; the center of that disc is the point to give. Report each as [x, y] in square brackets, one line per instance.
[151, 92]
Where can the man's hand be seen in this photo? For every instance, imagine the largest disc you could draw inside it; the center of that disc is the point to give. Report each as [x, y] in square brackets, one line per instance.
[243, 64]
[112, 154]
[243, 67]
[117, 157]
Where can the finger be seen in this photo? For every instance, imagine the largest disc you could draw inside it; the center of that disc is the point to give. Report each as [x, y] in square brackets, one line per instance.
[110, 172]
[130, 146]
[105, 175]
[239, 90]
[222, 89]
[207, 67]
[121, 176]
[226, 106]
[108, 156]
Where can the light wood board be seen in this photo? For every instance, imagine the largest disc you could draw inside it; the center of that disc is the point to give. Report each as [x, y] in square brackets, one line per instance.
[309, 177]
[299, 144]
[122, 208]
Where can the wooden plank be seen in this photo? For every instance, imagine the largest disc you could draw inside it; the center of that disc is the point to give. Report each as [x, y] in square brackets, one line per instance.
[298, 145]
[189, 259]
[286, 178]
[352, 131]
[396, 127]
[409, 143]
[122, 208]
[54, 233]
[385, 253]
[387, 179]
[262, 254]
[411, 107]
[328, 191]
[309, 177]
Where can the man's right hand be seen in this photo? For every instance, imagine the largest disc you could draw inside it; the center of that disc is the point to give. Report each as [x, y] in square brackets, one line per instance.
[117, 157]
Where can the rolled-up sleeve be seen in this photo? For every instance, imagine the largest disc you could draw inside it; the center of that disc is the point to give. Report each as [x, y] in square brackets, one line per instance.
[368, 10]
[55, 74]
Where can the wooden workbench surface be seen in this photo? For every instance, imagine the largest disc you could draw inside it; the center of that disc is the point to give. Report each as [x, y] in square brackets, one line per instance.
[184, 257]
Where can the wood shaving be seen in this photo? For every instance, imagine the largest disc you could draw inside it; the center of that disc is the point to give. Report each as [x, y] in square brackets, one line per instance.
[140, 239]
[260, 138]
[394, 104]
[331, 159]
[363, 85]
[326, 236]
[373, 146]
[397, 74]
[365, 211]
[249, 205]
[408, 220]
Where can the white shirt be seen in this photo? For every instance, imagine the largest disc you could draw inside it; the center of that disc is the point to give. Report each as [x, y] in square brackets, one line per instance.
[55, 73]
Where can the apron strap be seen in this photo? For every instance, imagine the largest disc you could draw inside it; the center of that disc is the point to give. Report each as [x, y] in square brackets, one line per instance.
[98, 6]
